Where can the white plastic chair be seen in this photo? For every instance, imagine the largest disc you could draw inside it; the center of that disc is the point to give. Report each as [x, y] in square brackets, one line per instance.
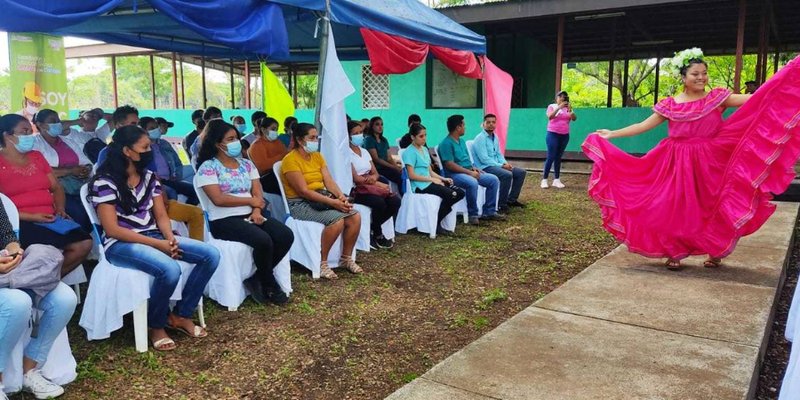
[235, 265]
[387, 229]
[307, 249]
[420, 211]
[74, 278]
[116, 291]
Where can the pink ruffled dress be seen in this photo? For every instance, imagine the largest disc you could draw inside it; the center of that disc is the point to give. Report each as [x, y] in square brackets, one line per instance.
[710, 182]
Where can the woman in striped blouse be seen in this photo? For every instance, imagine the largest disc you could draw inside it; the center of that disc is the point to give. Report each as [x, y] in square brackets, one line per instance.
[138, 235]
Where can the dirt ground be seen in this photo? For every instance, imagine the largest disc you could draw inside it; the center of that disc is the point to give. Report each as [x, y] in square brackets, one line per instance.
[363, 336]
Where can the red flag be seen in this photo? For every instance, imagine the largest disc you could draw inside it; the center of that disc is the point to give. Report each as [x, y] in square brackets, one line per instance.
[393, 54]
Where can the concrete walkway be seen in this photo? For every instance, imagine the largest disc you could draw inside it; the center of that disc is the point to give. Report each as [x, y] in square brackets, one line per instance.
[627, 328]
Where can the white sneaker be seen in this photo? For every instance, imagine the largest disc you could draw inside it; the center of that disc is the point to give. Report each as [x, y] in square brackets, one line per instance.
[41, 388]
[544, 184]
[557, 183]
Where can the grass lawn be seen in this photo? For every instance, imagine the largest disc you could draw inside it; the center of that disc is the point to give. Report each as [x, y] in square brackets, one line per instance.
[364, 336]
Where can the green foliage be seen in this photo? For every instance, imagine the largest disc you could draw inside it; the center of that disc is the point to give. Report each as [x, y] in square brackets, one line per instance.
[587, 83]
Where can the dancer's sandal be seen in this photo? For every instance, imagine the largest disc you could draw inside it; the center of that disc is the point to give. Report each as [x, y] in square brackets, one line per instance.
[712, 262]
[673, 265]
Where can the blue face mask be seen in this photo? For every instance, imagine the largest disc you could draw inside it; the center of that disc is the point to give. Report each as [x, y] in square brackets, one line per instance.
[357, 139]
[234, 149]
[54, 129]
[154, 134]
[272, 135]
[25, 143]
[241, 127]
[311, 147]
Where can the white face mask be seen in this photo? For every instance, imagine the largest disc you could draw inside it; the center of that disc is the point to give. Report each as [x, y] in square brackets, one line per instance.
[31, 109]
[272, 136]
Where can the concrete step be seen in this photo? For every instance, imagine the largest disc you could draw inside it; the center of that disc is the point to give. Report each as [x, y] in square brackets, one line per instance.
[627, 328]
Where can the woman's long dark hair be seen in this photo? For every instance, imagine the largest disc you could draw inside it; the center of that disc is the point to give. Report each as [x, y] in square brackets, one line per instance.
[370, 129]
[415, 129]
[213, 133]
[115, 165]
[299, 131]
[7, 124]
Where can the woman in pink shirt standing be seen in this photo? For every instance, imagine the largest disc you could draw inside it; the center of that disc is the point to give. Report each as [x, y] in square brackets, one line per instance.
[559, 115]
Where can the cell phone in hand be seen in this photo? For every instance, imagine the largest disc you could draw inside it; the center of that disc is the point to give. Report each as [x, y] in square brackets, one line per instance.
[5, 253]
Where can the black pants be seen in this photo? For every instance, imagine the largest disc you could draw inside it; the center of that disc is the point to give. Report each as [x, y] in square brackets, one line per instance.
[382, 208]
[269, 183]
[450, 195]
[390, 174]
[270, 242]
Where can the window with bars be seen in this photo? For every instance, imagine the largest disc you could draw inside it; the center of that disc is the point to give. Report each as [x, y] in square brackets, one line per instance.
[374, 89]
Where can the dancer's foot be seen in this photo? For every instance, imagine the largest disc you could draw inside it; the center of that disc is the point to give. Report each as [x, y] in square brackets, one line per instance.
[712, 262]
[673, 265]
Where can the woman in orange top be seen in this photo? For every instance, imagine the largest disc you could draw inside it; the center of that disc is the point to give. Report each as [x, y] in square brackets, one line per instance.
[265, 151]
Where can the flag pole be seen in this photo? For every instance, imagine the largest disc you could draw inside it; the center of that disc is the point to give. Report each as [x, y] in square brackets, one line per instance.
[323, 57]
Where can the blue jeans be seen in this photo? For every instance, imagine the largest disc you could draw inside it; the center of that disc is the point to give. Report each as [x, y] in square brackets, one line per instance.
[470, 185]
[15, 312]
[510, 183]
[167, 273]
[556, 144]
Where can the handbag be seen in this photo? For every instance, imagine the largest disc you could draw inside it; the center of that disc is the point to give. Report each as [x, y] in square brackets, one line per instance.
[39, 271]
[372, 190]
[72, 184]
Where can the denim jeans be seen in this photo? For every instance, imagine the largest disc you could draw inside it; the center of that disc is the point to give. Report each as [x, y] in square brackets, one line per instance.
[510, 183]
[470, 186]
[556, 144]
[15, 312]
[167, 272]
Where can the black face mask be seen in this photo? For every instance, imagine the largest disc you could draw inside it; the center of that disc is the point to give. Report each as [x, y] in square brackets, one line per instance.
[145, 158]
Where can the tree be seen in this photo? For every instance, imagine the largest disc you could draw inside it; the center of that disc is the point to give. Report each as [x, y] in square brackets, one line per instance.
[638, 73]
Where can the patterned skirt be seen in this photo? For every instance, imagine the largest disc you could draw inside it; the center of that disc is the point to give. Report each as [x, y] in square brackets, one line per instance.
[302, 210]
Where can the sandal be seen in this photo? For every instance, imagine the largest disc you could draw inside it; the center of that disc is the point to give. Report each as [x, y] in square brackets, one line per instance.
[198, 333]
[712, 262]
[673, 265]
[164, 344]
[350, 265]
[326, 272]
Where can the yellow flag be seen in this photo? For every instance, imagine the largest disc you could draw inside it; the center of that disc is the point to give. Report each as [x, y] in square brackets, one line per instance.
[278, 103]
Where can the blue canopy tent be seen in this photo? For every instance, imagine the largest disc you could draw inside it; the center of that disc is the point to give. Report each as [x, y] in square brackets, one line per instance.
[281, 31]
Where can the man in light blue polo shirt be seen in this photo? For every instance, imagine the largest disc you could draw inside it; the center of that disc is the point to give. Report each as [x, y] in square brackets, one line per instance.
[457, 165]
[488, 158]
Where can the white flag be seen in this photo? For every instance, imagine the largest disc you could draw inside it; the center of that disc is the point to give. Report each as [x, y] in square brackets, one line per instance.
[335, 138]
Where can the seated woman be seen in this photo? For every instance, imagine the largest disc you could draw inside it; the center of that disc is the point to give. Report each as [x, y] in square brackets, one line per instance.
[265, 151]
[65, 156]
[138, 235]
[314, 196]
[237, 204]
[28, 180]
[378, 147]
[369, 191]
[57, 306]
[423, 179]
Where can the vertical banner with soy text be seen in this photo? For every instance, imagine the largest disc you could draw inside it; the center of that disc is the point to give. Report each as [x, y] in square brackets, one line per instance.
[38, 74]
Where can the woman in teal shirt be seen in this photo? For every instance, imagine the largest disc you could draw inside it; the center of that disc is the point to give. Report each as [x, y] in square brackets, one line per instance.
[423, 180]
[378, 147]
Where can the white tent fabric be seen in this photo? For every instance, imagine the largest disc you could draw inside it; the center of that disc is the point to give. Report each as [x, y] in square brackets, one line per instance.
[335, 139]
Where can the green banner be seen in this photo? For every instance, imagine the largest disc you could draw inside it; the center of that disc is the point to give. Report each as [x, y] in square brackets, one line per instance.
[38, 74]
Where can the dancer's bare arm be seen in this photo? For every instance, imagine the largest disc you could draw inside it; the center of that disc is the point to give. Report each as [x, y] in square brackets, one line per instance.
[636, 129]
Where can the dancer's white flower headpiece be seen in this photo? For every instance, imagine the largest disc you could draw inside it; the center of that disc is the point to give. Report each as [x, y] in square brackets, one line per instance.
[681, 59]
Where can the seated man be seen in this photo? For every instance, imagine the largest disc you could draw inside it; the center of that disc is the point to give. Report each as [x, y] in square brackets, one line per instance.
[405, 141]
[489, 159]
[190, 137]
[252, 136]
[457, 165]
[166, 163]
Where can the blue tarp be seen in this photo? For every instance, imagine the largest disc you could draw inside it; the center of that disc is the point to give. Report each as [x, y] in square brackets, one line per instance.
[277, 30]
